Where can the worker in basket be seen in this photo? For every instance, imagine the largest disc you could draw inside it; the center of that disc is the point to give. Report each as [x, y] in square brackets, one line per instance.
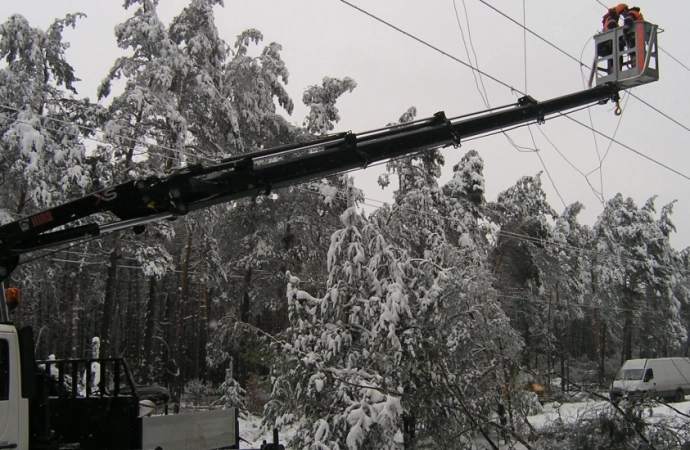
[611, 20]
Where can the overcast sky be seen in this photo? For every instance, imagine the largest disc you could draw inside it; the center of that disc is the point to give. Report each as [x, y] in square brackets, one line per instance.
[329, 38]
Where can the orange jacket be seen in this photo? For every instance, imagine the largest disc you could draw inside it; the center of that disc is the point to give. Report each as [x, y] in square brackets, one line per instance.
[631, 16]
[610, 19]
[620, 8]
[612, 16]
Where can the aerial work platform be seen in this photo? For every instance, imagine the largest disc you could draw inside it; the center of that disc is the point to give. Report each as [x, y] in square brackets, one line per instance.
[627, 56]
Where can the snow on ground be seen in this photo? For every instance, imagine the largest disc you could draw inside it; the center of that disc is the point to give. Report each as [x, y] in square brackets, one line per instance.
[572, 412]
[251, 431]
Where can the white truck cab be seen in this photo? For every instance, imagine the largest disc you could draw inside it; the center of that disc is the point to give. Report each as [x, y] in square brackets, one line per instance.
[666, 378]
[14, 409]
[58, 404]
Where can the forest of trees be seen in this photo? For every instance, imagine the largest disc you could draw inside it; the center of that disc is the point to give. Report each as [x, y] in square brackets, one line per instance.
[415, 320]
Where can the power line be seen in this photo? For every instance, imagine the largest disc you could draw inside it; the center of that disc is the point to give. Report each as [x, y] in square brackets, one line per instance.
[485, 95]
[615, 131]
[630, 93]
[627, 147]
[598, 194]
[58, 250]
[675, 59]
[89, 138]
[613, 308]
[529, 31]
[661, 49]
[508, 234]
[502, 83]
[477, 78]
[96, 130]
[580, 62]
[534, 141]
[448, 55]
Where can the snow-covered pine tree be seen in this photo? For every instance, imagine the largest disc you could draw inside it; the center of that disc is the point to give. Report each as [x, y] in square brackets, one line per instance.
[567, 280]
[267, 235]
[640, 276]
[44, 163]
[341, 380]
[232, 395]
[521, 218]
[438, 339]
[321, 100]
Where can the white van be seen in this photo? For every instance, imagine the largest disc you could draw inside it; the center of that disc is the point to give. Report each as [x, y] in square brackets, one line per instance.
[667, 378]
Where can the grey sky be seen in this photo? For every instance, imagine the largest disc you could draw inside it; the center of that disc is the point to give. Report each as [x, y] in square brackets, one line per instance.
[328, 38]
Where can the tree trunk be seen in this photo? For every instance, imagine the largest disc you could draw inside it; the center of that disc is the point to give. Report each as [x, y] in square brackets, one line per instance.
[626, 354]
[149, 328]
[528, 343]
[242, 369]
[245, 305]
[203, 328]
[109, 302]
[600, 344]
[603, 352]
[196, 336]
[409, 428]
[182, 308]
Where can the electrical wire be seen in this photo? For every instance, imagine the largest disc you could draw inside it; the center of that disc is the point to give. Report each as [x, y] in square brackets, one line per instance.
[612, 308]
[675, 59]
[615, 131]
[469, 37]
[93, 139]
[448, 55]
[612, 139]
[580, 62]
[58, 250]
[57, 130]
[661, 49]
[508, 234]
[484, 94]
[477, 78]
[627, 147]
[598, 194]
[600, 197]
[96, 130]
[529, 128]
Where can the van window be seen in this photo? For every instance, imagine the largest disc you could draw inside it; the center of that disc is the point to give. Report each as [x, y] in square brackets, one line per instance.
[649, 375]
[4, 370]
[630, 374]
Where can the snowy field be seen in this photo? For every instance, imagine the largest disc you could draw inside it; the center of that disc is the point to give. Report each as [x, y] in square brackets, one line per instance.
[572, 412]
[553, 413]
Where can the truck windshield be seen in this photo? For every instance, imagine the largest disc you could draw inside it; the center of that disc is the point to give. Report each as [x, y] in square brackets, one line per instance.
[630, 374]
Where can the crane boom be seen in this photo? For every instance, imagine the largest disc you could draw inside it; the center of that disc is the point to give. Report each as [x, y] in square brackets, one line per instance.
[137, 202]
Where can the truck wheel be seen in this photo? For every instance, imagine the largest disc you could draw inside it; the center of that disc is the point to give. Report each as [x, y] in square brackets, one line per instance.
[680, 396]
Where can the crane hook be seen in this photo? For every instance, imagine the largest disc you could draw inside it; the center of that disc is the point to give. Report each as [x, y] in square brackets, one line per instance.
[618, 111]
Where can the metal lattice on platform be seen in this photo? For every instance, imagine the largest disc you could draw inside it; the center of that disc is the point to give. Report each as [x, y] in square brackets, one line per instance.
[627, 56]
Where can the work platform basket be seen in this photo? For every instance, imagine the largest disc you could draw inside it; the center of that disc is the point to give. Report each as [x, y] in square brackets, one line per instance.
[630, 57]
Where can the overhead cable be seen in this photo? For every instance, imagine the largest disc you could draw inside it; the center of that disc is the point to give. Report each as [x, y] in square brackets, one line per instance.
[448, 55]
[97, 130]
[657, 110]
[627, 147]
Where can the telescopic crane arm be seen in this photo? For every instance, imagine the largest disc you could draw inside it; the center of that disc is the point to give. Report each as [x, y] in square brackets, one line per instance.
[138, 202]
